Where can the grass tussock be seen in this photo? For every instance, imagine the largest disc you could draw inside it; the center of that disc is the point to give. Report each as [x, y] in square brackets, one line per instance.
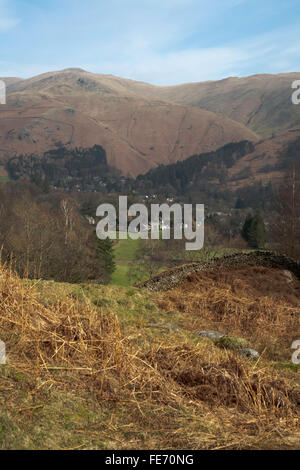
[80, 377]
[255, 303]
[226, 380]
[67, 335]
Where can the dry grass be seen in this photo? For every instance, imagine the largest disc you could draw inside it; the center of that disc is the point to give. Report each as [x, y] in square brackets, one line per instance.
[69, 335]
[255, 303]
[225, 380]
[170, 393]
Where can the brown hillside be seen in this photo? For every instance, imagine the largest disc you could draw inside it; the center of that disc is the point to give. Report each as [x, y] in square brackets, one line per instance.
[77, 108]
[253, 295]
[82, 375]
[257, 303]
[267, 162]
[260, 102]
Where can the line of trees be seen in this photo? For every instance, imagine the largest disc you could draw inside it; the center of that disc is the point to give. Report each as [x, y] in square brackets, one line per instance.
[45, 236]
[284, 219]
[285, 225]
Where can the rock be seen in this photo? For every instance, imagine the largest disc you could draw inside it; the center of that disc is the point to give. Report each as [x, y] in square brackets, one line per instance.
[247, 352]
[234, 343]
[210, 334]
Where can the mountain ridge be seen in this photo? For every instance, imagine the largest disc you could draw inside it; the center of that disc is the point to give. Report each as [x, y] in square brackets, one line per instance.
[79, 109]
[141, 125]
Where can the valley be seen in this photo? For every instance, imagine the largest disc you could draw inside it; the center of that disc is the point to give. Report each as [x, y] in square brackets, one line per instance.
[139, 344]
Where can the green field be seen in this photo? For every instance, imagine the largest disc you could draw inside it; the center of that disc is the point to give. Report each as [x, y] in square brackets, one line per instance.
[125, 254]
[126, 250]
[120, 275]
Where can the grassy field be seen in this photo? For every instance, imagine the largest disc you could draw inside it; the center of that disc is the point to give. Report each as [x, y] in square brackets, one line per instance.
[125, 253]
[110, 367]
[126, 250]
[120, 275]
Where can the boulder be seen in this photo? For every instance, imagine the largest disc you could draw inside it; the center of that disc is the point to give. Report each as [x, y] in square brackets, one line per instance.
[210, 334]
[234, 343]
[248, 352]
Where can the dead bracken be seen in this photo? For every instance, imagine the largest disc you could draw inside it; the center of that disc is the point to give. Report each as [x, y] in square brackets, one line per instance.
[170, 389]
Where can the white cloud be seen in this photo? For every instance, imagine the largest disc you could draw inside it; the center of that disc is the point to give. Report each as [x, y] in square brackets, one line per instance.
[159, 51]
[269, 53]
[188, 65]
[163, 42]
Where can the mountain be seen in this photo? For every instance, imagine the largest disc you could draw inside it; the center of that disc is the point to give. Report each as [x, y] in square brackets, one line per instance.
[260, 102]
[243, 171]
[74, 108]
[10, 80]
[142, 126]
[270, 158]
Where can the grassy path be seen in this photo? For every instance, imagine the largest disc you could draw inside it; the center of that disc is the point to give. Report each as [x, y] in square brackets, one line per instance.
[125, 253]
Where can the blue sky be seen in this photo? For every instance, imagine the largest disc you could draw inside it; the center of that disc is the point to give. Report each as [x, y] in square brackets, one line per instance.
[164, 42]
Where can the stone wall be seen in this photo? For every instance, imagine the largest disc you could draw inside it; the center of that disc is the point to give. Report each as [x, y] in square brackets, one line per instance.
[172, 277]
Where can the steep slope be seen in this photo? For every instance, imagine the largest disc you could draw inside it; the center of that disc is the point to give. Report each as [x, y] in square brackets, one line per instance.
[270, 159]
[260, 102]
[77, 108]
[235, 166]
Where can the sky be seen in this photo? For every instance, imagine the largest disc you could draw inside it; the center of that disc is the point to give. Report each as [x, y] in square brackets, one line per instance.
[163, 42]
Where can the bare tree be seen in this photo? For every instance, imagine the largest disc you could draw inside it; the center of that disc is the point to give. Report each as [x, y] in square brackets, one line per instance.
[45, 236]
[68, 210]
[285, 226]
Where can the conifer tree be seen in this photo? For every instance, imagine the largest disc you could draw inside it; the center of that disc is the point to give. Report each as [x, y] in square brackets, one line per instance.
[105, 249]
[254, 231]
[257, 232]
[246, 227]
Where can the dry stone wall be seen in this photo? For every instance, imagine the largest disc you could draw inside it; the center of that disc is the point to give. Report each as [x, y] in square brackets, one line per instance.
[172, 277]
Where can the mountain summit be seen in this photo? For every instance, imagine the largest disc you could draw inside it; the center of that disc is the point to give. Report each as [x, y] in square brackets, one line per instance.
[138, 127]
